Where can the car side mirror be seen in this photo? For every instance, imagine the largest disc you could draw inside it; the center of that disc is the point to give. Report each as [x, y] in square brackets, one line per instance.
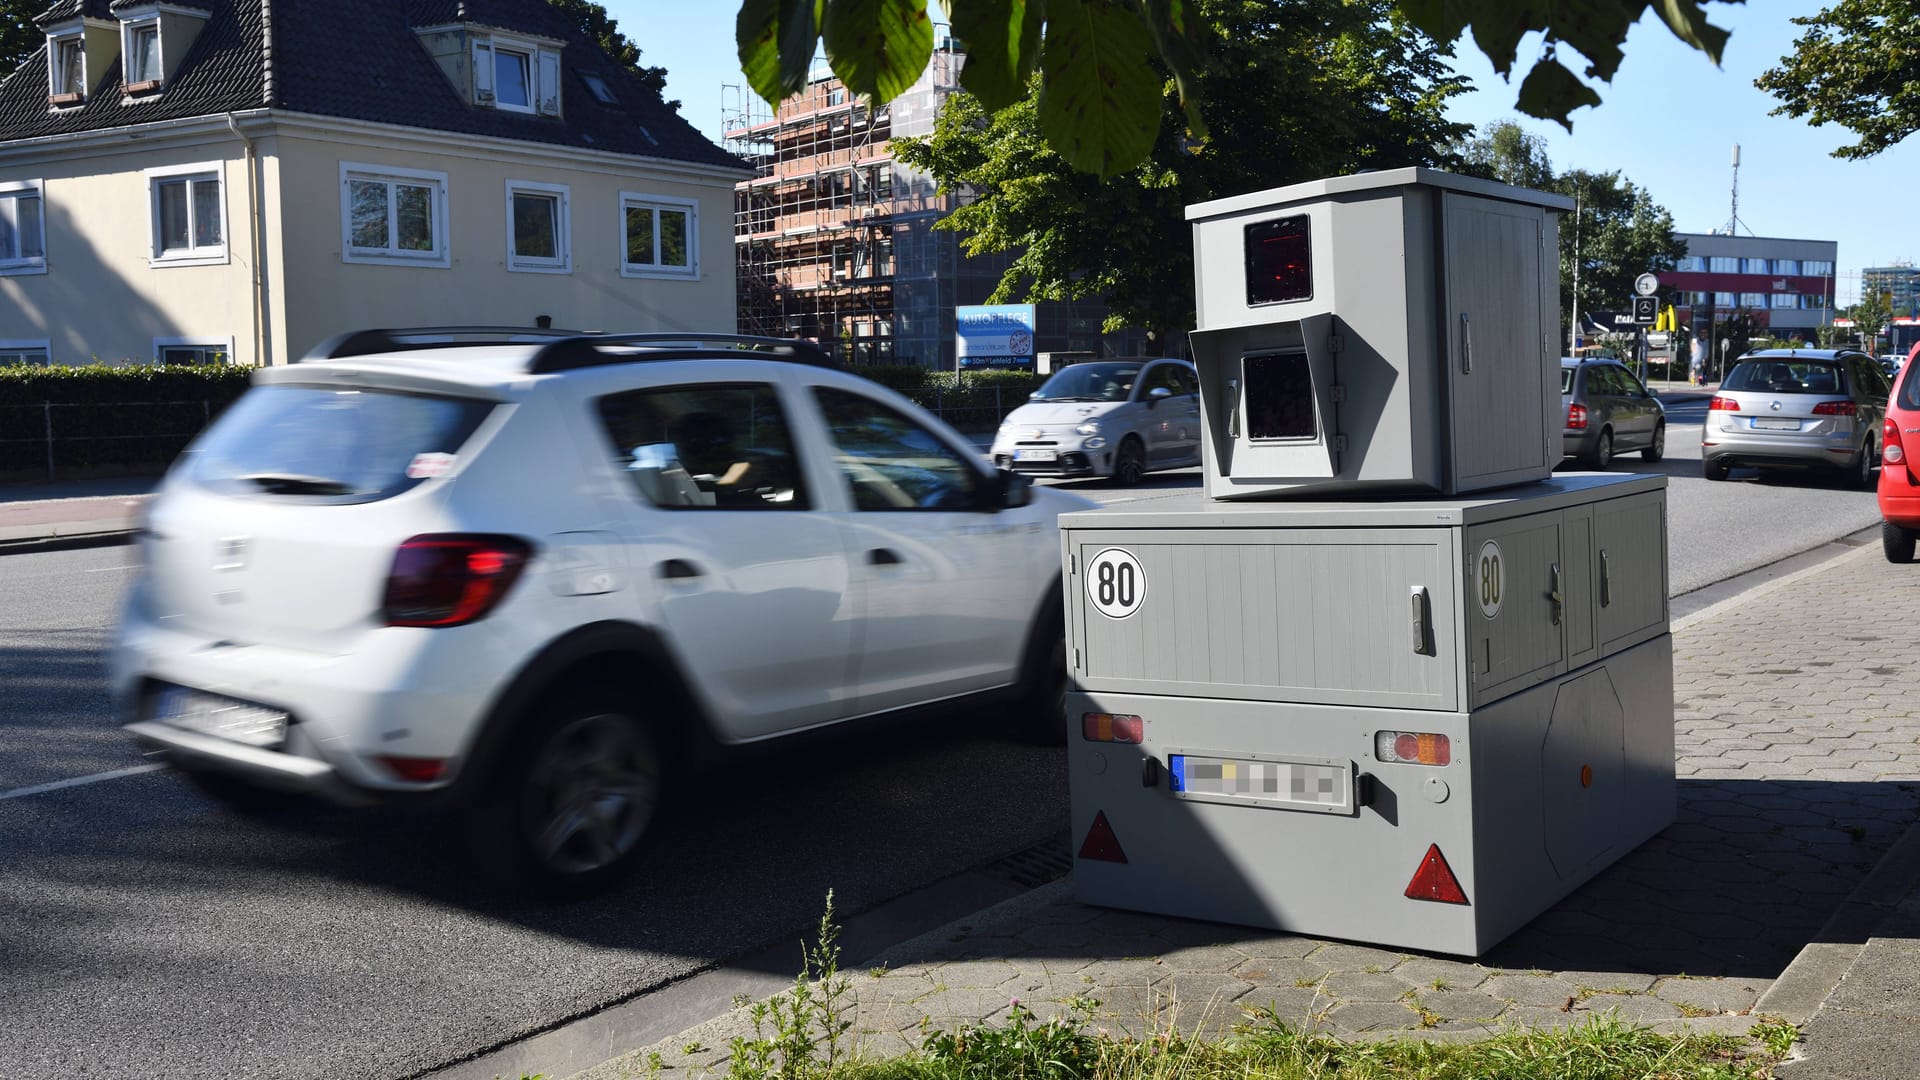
[1008, 490]
[1157, 395]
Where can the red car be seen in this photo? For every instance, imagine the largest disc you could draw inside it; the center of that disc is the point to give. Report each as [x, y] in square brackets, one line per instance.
[1899, 470]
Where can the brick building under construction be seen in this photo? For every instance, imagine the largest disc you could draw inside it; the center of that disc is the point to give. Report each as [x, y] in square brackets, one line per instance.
[834, 240]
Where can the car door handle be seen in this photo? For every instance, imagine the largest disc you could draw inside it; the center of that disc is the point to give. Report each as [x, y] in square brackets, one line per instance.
[884, 557]
[679, 569]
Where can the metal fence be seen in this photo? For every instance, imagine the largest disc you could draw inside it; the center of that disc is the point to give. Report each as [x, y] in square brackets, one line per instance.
[77, 434]
[972, 410]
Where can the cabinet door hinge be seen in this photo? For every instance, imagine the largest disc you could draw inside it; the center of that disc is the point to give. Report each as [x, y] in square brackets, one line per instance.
[1339, 393]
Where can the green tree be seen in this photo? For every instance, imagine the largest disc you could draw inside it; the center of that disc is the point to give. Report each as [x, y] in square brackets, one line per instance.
[598, 25]
[1377, 89]
[1858, 65]
[1505, 152]
[19, 37]
[1871, 315]
[1099, 96]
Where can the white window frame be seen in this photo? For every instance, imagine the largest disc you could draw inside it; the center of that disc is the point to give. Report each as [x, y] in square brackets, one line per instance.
[562, 262]
[161, 344]
[44, 346]
[147, 19]
[543, 73]
[439, 256]
[56, 70]
[198, 255]
[656, 203]
[32, 264]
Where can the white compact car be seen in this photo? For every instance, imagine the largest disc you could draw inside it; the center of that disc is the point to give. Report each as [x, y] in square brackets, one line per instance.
[1117, 418]
[528, 575]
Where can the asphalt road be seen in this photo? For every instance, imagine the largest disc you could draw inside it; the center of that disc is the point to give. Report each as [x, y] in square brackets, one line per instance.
[150, 933]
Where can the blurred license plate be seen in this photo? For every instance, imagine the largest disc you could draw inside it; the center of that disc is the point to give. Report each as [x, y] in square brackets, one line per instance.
[1324, 786]
[223, 717]
[1767, 423]
[1036, 455]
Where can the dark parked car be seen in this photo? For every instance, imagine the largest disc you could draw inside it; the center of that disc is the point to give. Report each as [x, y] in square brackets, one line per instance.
[1607, 411]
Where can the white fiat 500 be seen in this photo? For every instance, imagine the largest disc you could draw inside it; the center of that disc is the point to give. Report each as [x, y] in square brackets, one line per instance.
[1116, 418]
[531, 575]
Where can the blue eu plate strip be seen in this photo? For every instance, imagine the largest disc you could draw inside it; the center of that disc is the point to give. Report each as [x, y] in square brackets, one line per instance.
[1177, 771]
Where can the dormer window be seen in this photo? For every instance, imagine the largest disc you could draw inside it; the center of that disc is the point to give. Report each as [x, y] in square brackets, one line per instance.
[142, 51]
[67, 68]
[516, 74]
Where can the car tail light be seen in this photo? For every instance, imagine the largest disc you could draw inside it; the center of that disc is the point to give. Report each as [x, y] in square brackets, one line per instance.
[1412, 747]
[1892, 450]
[1109, 727]
[1834, 408]
[1577, 416]
[417, 770]
[1723, 404]
[450, 579]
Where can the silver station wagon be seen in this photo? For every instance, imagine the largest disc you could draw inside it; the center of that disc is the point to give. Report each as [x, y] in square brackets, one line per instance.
[1798, 408]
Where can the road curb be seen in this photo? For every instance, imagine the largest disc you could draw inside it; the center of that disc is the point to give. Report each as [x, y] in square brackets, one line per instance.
[81, 538]
[1811, 978]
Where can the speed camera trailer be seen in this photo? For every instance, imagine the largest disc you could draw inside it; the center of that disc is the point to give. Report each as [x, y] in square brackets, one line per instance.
[1387, 678]
[1384, 332]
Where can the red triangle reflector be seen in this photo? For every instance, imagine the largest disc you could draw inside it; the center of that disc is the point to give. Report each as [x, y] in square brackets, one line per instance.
[1100, 843]
[1434, 880]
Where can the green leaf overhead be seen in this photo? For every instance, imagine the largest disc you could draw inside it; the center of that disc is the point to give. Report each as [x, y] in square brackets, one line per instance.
[878, 47]
[1550, 92]
[1690, 25]
[1178, 33]
[1002, 40]
[1099, 98]
[776, 39]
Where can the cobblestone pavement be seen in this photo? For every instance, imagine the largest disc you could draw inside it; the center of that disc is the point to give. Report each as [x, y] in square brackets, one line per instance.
[1798, 752]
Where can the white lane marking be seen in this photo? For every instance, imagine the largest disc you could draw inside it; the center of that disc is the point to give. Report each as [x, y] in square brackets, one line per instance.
[110, 569]
[42, 789]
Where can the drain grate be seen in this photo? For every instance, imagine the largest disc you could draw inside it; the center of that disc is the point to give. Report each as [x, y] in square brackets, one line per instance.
[1045, 862]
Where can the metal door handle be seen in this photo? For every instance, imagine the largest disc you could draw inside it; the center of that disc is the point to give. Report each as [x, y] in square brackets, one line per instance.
[884, 557]
[1606, 580]
[1466, 344]
[679, 569]
[1233, 408]
[1422, 626]
[1558, 603]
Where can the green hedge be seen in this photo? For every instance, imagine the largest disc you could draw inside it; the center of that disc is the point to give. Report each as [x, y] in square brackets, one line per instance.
[130, 418]
[974, 402]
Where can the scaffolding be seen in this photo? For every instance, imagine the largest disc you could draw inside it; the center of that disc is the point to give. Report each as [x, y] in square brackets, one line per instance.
[834, 240]
[815, 232]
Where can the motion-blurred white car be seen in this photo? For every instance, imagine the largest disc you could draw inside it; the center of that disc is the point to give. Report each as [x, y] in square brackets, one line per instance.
[1117, 418]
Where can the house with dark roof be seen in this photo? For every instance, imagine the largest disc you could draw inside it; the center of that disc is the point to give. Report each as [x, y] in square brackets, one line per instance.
[192, 180]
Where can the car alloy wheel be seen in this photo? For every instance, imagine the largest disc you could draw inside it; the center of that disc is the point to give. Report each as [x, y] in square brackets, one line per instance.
[1897, 542]
[1656, 449]
[1131, 464]
[1715, 470]
[591, 788]
[1864, 477]
[1602, 455]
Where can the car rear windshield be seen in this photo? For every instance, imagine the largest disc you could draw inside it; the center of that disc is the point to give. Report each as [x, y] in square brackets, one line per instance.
[1785, 376]
[343, 445]
[1910, 387]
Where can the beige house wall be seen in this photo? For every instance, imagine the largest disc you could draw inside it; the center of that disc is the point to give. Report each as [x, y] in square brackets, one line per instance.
[324, 294]
[284, 282]
[101, 298]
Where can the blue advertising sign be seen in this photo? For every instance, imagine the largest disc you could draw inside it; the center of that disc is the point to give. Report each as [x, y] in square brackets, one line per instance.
[994, 335]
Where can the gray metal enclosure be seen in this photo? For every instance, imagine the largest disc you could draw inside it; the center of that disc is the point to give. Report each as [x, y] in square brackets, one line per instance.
[1267, 648]
[1389, 332]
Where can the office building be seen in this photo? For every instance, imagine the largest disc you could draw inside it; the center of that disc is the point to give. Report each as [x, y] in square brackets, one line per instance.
[1787, 286]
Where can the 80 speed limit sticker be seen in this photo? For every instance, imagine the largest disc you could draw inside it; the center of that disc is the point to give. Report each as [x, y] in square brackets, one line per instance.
[1116, 585]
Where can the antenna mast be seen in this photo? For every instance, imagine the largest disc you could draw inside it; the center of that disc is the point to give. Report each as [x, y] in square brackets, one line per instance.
[1734, 217]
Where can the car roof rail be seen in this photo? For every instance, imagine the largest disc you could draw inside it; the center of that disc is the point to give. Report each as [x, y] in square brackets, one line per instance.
[594, 350]
[566, 350]
[409, 339]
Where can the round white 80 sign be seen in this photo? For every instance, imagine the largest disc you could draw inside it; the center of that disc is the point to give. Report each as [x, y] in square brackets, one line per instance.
[1490, 577]
[1116, 586]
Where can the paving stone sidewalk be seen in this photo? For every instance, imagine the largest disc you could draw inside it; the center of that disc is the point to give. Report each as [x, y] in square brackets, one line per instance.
[1798, 751]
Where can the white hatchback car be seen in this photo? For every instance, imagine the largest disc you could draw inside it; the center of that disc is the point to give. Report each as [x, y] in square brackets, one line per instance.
[1117, 418]
[527, 575]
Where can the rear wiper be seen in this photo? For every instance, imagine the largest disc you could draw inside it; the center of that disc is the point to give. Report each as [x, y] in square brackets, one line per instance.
[295, 484]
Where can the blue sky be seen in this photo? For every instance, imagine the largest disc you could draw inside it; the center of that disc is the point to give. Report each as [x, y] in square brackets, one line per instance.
[1668, 122]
